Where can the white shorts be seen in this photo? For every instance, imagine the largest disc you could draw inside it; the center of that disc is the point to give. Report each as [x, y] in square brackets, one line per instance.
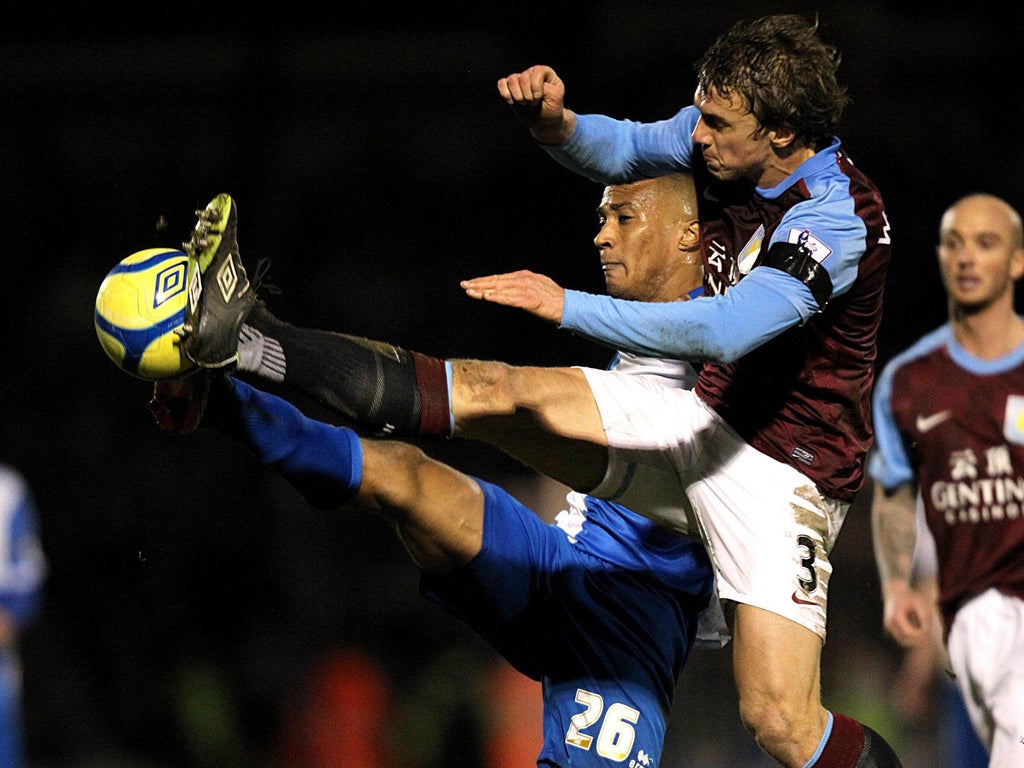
[986, 652]
[767, 528]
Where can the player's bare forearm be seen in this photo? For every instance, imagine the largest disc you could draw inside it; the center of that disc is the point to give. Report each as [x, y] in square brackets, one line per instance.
[895, 532]
[537, 294]
[907, 613]
[537, 96]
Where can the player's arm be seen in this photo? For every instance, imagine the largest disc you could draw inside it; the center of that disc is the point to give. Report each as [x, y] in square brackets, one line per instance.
[907, 612]
[612, 151]
[814, 256]
[914, 689]
[602, 149]
[716, 329]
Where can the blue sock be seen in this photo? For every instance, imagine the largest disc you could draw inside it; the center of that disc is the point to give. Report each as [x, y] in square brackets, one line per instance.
[323, 462]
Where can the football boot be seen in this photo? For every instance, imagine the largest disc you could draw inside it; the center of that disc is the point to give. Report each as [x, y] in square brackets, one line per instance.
[220, 295]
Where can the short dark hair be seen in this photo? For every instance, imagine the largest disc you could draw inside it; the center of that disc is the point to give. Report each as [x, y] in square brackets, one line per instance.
[784, 71]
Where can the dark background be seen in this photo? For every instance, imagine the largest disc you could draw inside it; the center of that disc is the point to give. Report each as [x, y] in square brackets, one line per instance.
[191, 593]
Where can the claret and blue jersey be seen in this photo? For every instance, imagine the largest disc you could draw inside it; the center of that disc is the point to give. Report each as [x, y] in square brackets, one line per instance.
[791, 375]
[963, 448]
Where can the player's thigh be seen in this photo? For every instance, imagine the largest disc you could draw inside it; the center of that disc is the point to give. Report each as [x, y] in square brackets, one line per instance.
[562, 401]
[544, 417]
[516, 567]
[986, 652]
[768, 529]
[651, 431]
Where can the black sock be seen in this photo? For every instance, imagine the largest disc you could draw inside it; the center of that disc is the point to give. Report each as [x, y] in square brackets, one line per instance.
[383, 388]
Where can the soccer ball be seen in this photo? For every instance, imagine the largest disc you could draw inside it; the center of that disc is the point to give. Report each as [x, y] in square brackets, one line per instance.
[139, 306]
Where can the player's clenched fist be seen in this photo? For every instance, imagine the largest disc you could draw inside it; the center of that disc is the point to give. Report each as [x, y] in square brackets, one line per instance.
[538, 96]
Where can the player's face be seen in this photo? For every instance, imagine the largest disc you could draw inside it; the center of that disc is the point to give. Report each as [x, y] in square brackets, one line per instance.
[726, 132]
[639, 243]
[978, 256]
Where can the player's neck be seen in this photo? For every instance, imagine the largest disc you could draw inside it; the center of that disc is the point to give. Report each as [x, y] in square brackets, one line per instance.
[782, 167]
[988, 334]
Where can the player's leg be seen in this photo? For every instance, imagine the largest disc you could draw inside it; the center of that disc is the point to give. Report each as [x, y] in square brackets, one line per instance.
[769, 533]
[12, 739]
[776, 665]
[542, 416]
[383, 388]
[545, 417]
[375, 385]
[987, 655]
[437, 511]
[775, 662]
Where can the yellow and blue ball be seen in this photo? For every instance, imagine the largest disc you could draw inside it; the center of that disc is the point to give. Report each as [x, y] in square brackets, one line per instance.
[140, 306]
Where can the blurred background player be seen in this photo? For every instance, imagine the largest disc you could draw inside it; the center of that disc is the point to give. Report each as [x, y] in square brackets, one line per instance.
[602, 605]
[22, 577]
[949, 414]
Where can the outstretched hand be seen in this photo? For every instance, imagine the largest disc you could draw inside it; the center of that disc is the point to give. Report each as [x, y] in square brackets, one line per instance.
[537, 294]
[537, 95]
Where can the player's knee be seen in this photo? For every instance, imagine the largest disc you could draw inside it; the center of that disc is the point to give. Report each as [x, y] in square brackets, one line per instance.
[392, 472]
[763, 717]
[409, 484]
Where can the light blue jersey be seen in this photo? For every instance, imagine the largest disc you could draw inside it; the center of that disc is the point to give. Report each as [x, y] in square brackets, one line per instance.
[739, 316]
[794, 278]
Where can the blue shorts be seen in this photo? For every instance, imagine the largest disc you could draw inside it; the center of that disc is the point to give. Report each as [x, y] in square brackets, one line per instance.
[607, 641]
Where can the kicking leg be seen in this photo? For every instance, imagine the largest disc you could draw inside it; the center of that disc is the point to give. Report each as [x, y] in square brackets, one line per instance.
[378, 386]
[545, 417]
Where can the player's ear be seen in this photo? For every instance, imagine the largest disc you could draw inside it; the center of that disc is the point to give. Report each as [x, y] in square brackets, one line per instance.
[782, 137]
[1017, 264]
[689, 236]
